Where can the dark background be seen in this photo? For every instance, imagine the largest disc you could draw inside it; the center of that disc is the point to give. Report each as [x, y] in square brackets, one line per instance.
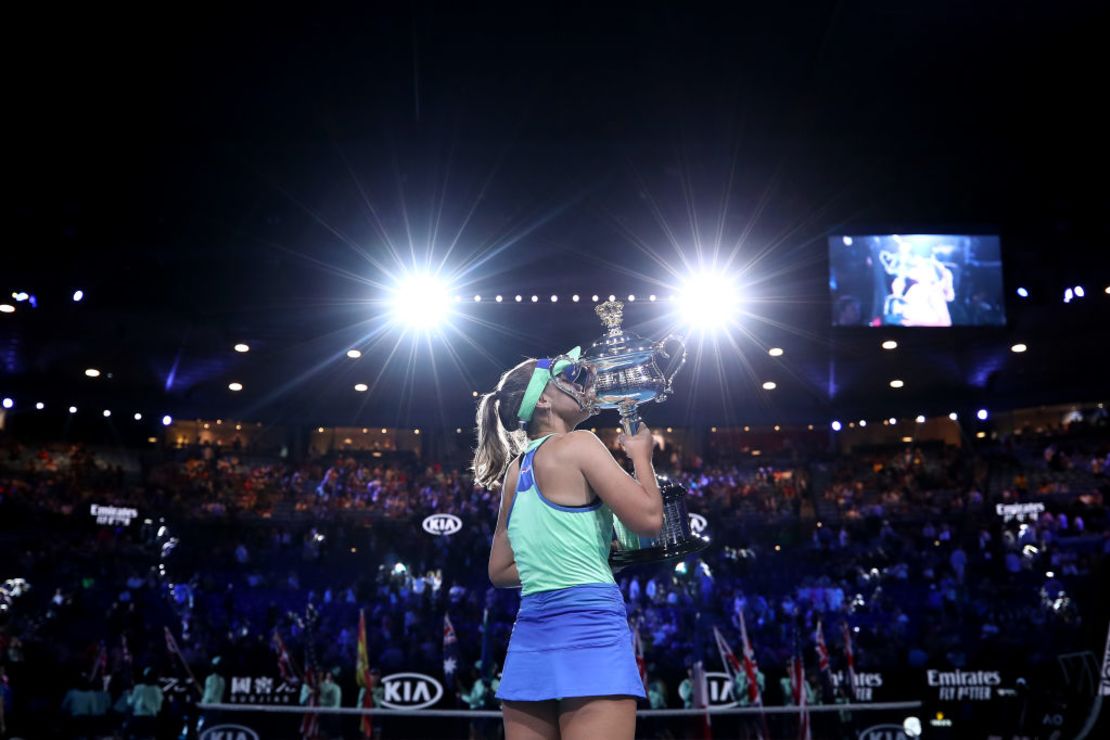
[210, 175]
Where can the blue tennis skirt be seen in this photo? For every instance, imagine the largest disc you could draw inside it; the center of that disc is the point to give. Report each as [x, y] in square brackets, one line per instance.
[571, 642]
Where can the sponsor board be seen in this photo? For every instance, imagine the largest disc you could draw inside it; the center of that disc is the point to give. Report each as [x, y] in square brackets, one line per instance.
[863, 687]
[410, 691]
[1021, 512]
[719, 689]
[697, 523]
[442, 524]
[229, 732]
[959, 685]
[884, 732]
[112, 515]
[262, 690]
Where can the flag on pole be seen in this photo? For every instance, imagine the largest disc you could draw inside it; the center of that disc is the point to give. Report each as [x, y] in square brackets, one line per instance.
[450, 649]
[728, 658]
[824, 675]
[798, 688]
[100, 663]
[822, 649]
[849, 659]
[362, 674]
[286, 669]
[310, 723]
[124, 653]
[638, 648]
[487, 653]
[751, 669]
[700, 681]
[171, 646]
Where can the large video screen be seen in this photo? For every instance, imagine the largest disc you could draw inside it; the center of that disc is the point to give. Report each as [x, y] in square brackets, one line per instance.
[916, 280]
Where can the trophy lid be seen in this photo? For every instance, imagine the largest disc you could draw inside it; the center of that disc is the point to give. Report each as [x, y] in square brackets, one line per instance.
[617, 342]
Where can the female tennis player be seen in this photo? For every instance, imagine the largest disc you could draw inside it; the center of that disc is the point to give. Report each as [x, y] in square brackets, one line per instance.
[570, 671]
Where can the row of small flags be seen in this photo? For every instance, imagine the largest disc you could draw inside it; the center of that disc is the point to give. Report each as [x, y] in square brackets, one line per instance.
[746, 664]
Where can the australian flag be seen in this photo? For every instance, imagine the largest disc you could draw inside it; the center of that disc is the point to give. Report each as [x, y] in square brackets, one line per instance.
[450, 649]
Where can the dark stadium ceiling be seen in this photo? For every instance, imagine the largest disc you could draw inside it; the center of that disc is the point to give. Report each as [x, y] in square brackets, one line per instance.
[258, 179]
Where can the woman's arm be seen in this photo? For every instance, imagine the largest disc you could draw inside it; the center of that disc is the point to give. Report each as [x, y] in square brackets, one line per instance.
[502, 562]
[635, 501]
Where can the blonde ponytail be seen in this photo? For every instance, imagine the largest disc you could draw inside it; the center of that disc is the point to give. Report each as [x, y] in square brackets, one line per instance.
[500, 438]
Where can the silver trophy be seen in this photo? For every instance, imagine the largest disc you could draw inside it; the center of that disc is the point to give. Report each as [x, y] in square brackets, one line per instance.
[620, 370]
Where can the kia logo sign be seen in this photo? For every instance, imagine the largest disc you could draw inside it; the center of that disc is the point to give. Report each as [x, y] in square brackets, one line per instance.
[697, 523]
[719, 687]
[438, 524]
[410, 691]
[229, 732]
[883, 732]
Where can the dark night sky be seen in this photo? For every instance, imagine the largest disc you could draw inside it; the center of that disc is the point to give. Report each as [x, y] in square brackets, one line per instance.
[211, 175]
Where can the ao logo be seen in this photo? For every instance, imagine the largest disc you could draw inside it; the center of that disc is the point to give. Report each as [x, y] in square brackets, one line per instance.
[438, 524]
[697, 523]
[719, 686]
[883, 732]
[410, 691]
[229, 732]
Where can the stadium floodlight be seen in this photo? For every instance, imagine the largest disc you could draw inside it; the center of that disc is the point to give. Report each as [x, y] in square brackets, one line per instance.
[167, 420]
[241, 347]
[1079, 292]
[40, 405]
[890, 344]
[1022, 292]
[836, 426]
[708, 300]
[421, 301]
[235, 386]
[775, 351]
[954, 416]
[354, 354]
[769, 385]
[1018, 348]
[8, 403]
[981, 414]
[896, 383]
[78, 295]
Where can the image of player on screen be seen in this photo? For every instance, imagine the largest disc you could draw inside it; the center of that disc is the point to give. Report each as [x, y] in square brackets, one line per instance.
[921, 289]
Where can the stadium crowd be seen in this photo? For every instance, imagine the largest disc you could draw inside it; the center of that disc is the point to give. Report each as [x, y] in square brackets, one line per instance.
[903, 550]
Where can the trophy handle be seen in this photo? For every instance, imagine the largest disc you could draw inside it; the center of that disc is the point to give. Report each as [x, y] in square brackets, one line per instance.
[661, 347]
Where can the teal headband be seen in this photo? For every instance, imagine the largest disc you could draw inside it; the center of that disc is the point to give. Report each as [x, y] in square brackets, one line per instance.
[540, 376]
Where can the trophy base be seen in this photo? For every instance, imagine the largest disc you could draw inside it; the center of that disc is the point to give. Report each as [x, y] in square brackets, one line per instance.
[655, 555]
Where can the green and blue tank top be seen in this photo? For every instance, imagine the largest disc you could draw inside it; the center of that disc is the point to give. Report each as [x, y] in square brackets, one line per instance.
[556, 546]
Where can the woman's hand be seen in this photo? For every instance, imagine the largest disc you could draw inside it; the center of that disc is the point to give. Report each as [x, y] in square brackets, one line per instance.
[639, 446]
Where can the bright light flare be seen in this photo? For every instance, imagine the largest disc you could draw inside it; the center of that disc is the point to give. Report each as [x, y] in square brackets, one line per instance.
[421, 301]
[708, 301]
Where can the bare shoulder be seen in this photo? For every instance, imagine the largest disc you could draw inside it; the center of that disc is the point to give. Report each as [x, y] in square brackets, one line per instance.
[583, 438]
